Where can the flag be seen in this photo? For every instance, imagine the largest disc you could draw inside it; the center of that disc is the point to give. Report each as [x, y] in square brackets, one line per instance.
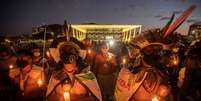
[89, 80]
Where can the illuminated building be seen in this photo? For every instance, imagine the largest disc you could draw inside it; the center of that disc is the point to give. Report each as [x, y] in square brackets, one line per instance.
[96, 32]
[51, 30]
[99, 32]
[195, 31]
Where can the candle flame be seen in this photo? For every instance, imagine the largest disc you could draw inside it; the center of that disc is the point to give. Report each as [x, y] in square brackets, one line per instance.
[155, 99]
[48, 53]
[124, 60]
[89, 51]
[66, 96]
[175, 50]
[11, 66]
[40, 82]
[175, 60]
[110, 56]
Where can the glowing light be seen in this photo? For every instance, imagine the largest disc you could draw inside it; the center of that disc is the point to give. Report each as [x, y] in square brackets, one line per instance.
[155, 99]
[48, 53]
[193, 31]
[124, 60]
[7, 40]
[111, 42]
[175, 60]
[175, 50]
[110, 56]
[11, 66]
[66, 96]
[163, 90]
[89, 51]
[40, 82]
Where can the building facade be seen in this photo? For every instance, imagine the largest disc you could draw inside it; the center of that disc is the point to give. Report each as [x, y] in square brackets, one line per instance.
[195, 31]
[96, 32]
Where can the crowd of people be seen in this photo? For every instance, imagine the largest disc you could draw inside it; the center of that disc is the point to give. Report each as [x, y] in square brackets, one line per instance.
[147, 69]
[156, 65]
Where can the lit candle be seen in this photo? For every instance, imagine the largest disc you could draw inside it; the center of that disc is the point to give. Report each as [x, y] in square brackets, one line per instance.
[124, 61]
[11, 66]
[48, 53]
[175, 50]
[66, 96]
[110, 56]
[175, 60]
[89, 51]
[155, 98]
[40, 82]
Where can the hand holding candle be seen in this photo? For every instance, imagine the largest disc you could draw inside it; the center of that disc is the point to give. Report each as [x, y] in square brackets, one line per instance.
[66, 88]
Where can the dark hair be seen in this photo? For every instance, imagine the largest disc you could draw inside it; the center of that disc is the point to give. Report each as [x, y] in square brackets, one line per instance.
[56, 42]
[194, 51]
[104, 44]
[3, 48]
[25, 52]
[81, 64]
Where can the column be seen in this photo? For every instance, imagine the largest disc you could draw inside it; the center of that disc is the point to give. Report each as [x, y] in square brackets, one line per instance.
[134, 32]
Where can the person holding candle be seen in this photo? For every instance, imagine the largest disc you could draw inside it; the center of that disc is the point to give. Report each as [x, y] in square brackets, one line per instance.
[8, 88]
[7, 58]
[145, 77]
[29, 77]
[105, 67]
[72, 81]
[91, 53]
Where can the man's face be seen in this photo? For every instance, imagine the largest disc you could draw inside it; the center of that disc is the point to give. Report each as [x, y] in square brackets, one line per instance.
[70, 68]
[104, 49]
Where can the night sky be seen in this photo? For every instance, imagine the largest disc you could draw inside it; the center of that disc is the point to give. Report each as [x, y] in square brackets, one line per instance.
[19, 16]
